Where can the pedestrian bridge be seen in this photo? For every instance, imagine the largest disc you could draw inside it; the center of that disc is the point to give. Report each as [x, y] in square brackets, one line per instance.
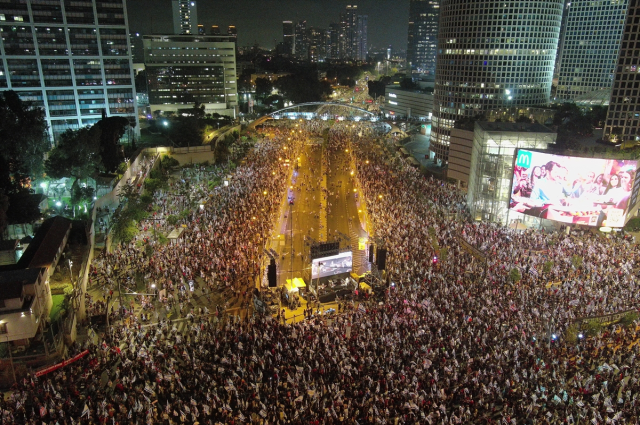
[321, 110]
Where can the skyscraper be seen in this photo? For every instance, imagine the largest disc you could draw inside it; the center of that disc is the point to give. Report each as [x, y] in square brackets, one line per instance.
[185, 17]
[288, 37]
[215, 30]
[590, 48]
[73, 59]
[623, 118]
[301, 40]
[335, 31]
[232, 31]
[362, 50]
[423, 35]
[491, 54]
[353, 34]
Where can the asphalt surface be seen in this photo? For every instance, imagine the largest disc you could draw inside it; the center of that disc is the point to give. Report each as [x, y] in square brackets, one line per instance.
[324, 210]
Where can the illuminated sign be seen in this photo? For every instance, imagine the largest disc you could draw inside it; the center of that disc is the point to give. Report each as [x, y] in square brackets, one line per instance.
[392, 102]
[392, 95]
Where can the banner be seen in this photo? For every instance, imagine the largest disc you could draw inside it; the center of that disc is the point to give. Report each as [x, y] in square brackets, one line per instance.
[64, 363]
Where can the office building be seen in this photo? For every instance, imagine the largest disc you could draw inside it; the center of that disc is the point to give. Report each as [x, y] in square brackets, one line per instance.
[361, 35]
[491, 54]
[623, 118]
[423, 35]
[183, 69]
[401, 103]
[353, 34]
[317, 44]
[185, 17]
[215, 30]
[301, 41]
[73, 59]
[288, 37]
[590, 46]
[335, 34]
[137, 49]
[201, 30]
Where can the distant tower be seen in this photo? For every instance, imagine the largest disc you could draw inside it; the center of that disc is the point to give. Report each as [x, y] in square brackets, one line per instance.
[589, 52]
[185, 17]
[622, 122]
[201, 29]
[233, 32]
[491, 54]
[423, 35]
[215, 30]
[288, 37]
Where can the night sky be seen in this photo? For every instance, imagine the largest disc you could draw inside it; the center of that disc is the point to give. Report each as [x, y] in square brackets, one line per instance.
[261, 20]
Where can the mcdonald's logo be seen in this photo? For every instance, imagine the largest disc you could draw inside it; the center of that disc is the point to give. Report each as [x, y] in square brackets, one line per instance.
[524, 159]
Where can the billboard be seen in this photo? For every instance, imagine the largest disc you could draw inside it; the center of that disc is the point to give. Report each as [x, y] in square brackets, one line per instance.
[573, 190]
[329, 266]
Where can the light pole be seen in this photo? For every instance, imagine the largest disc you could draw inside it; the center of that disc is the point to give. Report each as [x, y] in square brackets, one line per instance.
[70, 271]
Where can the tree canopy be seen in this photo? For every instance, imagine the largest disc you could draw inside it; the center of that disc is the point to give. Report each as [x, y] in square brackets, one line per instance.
[111, 131]
[77, 154]
[23, 134]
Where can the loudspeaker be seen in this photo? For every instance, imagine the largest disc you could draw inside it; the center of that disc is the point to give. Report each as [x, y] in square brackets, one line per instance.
[371, 253]
[273, 277]
[381, 258]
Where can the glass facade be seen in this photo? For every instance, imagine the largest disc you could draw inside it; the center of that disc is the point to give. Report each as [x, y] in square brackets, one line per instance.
[491, 54]
[590, 48]
[423, 35]
[623, 118]
[69, 56]
[494, 146]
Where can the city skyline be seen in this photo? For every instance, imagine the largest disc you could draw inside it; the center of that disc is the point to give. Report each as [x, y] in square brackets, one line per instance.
[388, 19]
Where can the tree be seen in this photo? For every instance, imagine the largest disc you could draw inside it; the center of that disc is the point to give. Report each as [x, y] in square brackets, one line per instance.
[112, 129]
[408, 84]
[515, 275]
[23, 135]
[81, 196]
[264, 87]
[77, 155]
[376, 88]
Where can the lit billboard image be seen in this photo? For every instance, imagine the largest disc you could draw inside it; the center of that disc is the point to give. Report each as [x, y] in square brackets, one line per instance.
[573, 190]
[329, 266]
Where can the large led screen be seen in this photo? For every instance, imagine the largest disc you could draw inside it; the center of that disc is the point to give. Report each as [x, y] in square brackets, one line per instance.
[573, 190]
[329, 266]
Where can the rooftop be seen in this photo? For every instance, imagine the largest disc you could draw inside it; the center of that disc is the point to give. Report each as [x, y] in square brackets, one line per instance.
[46, 243]
[12, 281]
[514, 127]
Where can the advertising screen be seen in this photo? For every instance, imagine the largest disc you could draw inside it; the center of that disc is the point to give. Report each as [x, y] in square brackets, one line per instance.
[572, 190]
[329, 266]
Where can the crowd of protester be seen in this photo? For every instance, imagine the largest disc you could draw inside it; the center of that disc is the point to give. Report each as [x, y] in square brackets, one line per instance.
[457, 340]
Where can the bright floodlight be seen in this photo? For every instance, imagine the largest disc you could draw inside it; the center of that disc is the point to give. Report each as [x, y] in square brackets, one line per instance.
[58, 203]
[43, 185]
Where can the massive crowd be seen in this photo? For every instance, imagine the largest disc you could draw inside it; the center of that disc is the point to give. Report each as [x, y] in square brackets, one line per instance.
[457, 340]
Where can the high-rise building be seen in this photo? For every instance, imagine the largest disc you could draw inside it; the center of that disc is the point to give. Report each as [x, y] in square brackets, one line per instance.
[423, 35]
[288, 37]
[185, 17]
[317, 44]
[590, 49]
[362, 49]
[73, 59]
[215, 30]
[137, 50]
[623, 118]
[335, 32]
[183, 69]
[301, 40]
[201, 30]
[491, 54]
[563, 32]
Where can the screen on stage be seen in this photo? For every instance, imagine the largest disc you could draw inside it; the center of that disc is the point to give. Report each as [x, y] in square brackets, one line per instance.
[329, 266]
[573, 190]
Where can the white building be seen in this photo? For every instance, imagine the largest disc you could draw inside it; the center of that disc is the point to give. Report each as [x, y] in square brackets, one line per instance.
[70, 58]
[183, 69]
[401, 103]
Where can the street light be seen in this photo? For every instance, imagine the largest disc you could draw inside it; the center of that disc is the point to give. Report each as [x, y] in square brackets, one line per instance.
[70, 272]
